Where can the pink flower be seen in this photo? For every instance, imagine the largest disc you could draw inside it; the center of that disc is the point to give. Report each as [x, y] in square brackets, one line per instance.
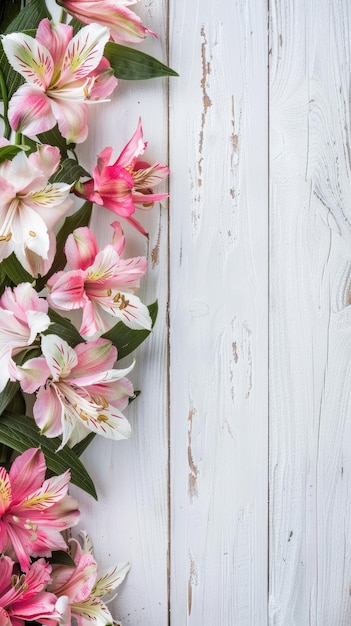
[127, 183]
[30, 206]
[124, 25]
[33, 511]
[62, 71]
[85, 587]
[23, 597]
[22, 316]
[100, 283]
[79, 391]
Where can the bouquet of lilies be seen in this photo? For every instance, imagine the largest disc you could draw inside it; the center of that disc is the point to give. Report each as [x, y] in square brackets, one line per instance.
[51, 265]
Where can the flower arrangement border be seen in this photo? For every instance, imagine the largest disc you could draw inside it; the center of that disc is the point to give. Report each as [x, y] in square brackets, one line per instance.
[50, 72]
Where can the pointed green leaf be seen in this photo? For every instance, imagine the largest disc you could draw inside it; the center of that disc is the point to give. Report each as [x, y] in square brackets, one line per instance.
[69, 172]
[81, 446]
[53, 137]
[125, 339]
[8, 12]
[15, 271]
[131, 64]
[7, 394]
[29, 17]
[20, 432]
[8, 152]
[80, 218]
[64, 328]
[59, 557]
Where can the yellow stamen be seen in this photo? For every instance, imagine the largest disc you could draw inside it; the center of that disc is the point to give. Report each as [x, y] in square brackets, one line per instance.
[102, 418]
[32, 233]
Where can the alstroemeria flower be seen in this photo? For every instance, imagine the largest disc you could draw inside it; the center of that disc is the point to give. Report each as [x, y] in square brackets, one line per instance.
[23, 597]
[30, 206]
[100, 283]
[61, 71]
[125, 26]
[85, 586]
[22, 316]
[33, 511]
[127, 183]
[79, 390]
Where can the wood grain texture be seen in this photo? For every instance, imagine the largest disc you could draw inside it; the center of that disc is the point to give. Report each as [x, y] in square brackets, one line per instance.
[218, 313]
[310, 468]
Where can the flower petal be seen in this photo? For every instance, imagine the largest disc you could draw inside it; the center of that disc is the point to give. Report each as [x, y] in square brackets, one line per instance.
[84, 52]
[48, 412]
[109, 580]
[29, 58]
[30, 111]
[60, 357]
[134, 148]
[81, 248]
[72, 119]
[32, 374]
[27, 473]
[67, 291]
[93, 357]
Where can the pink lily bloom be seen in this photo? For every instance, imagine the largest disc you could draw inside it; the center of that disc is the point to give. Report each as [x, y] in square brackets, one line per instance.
[30, 206]
[79, 391]
[23, 597]
[62, 71]
[100, 283]
[85, 586]
[125, 26]
[127, 183]
[22, 316]
[33, 511]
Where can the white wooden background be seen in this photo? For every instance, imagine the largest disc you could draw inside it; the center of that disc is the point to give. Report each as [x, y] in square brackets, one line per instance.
[232, 499]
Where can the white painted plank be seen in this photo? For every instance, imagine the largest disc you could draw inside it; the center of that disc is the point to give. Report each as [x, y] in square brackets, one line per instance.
[310, 471]
[218, 313]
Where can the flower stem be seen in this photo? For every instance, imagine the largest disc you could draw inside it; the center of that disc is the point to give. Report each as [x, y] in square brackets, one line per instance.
[63, 17]
[5, 99]
[18, 139]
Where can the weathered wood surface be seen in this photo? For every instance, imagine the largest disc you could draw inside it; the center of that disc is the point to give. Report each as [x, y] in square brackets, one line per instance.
[310, 411]
[257, 134]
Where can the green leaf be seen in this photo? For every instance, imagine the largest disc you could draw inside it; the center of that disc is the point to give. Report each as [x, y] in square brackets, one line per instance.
[125, 339]
[20, 432]
[7, 394]
[131, 64]
[29, 17]
[59, 557]
[8, 11]
[53, 137]
[8, 152]
[81, 446]
[78, 219]
[69, 172]
[64, 328]
[15, 271]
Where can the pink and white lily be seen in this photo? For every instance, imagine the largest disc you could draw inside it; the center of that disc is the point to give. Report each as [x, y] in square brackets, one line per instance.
[125, 26]
[100, 283]
[61, 72]
[127, 183]
[33, 511]
[79, 391]
[85, 586]
[23, 597]
[30, 206]
[22, 316]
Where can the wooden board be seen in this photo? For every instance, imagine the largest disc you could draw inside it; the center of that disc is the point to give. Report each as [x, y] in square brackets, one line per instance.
[310, 344]
[219, 313]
